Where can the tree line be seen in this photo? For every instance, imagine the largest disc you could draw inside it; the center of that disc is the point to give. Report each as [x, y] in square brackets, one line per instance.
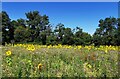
[37, 29]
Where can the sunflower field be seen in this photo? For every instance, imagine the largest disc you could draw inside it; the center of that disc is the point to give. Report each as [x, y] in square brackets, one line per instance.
[28, 60]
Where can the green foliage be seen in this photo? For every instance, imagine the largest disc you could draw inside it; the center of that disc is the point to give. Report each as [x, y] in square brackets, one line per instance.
[107, 32]
[82, 38]
[37, 29]
[22, 34]
[7, 29]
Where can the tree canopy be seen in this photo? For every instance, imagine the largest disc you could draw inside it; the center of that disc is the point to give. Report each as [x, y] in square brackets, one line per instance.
[37, 29]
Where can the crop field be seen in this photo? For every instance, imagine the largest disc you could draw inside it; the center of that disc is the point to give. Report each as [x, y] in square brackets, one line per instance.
[27, 60]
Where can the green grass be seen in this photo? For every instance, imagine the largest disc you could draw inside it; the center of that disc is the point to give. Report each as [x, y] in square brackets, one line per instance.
[58, 62]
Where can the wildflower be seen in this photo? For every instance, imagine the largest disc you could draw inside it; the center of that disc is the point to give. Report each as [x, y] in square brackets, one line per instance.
[39, 66]
[89, 66]
[8, 53]
[49, 47]
[9, 60]
[85, 64]
[87, 69]
[31, 48]
[79, 47]
[106, 51]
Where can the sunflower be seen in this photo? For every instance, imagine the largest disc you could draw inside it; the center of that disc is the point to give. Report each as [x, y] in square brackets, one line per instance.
[8, 53]
[31, 48]
[40, 66]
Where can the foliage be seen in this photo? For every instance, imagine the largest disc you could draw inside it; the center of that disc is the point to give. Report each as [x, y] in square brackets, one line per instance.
[107, 32]
[7, 29]
[37, 29]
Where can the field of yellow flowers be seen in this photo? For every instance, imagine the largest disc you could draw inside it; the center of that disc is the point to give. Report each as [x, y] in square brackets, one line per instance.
[28, 60]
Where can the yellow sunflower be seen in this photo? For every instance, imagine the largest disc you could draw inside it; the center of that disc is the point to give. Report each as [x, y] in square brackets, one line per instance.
[40, 66]
[8, 53]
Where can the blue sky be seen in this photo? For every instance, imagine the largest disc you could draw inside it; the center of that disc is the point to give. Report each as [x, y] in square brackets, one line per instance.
[71, 14]
[60, 0]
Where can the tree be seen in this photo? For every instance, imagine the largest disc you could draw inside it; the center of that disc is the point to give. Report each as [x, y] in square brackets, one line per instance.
[1, 28]
[68, 37]
[22, 34]
[14, 23]
[37, 29]
[105, 34]
[87, 38]
[0, 22]
[21, 22]
[118, 32]
[59, 31]
[7, 29]
[38, 25]
[78, 36]
[82, 38]
[45, 28]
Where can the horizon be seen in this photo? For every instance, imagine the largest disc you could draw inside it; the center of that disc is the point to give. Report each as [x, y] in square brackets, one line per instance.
[83, 14]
